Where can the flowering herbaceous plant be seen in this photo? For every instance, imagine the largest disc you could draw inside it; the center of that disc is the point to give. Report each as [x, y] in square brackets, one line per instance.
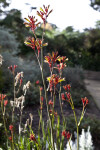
[52, 134]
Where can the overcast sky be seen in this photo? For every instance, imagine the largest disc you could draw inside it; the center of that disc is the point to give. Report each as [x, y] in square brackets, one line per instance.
[76, 13]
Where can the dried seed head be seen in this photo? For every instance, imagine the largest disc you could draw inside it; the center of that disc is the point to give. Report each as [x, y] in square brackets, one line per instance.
[1, 60]
[26, 87]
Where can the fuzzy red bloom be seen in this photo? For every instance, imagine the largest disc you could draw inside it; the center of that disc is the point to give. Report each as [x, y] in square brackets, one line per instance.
[37, 82]
[85, 101]
[61, 66]
[67, 87]
[51, 102]
[54, 80]
[51, 59]
[31, 42]
[31, 22]
[32, 137]
[5, 102]
[12, 69]
[10, 138]
[11, 127]
[42, 98]
[44, 13]
[2, 97]
[68, 95]
[41, 88]
[63, 96]
[21, 81]
[66, 134]
[62, 59]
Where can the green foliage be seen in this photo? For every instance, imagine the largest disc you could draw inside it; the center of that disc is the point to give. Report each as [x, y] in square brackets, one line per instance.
[95, 4]
[8, 40]
[5, 81]
[2, 137]
[4, 4]
[1, 80]
[14, 22]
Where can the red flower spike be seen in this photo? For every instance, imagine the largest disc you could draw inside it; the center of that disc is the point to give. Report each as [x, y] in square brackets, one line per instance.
[30, 42]
[51, 102]
[41, 88]
[60, 66]
[2, 97]
[10, 138]
[32, 137]
[11, 127]
[85, 101]
[15, 66]
[67, 87]
[42, 98]
[37, 82]
[68, 95]
[21, 81]
[62, 59]
[5, 102]
[66, 134]
[51, 59]
[31, 22]
[63, 96]
[54, 80]
[12, 69]
[44, 13]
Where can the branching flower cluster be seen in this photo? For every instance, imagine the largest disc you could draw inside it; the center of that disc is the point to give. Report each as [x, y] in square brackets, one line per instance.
[53, 132]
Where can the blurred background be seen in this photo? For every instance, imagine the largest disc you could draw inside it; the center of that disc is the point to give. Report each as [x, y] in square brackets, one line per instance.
[73, 29]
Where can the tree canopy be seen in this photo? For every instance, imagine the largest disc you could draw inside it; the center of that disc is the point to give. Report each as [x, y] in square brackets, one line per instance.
[95, 4]
[4, 4]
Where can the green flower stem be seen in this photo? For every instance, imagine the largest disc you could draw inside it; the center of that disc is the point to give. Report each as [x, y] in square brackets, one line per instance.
[40, 112]
[52, 140]
[46, 97]
[12, 140]
[72, 106]
[69, 144]
[14, 99]
[4, 119]
[64, 123]
[82, 115]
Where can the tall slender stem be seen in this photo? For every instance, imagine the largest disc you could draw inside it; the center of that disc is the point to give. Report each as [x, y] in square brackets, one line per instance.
[77, 128]
[4, 120]
[61, 106]
[14, 99]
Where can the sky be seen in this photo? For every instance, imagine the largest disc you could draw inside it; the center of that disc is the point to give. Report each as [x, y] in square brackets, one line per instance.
[76, 13]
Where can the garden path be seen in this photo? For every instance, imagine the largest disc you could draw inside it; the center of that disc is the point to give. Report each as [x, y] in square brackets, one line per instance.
[92, 83]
